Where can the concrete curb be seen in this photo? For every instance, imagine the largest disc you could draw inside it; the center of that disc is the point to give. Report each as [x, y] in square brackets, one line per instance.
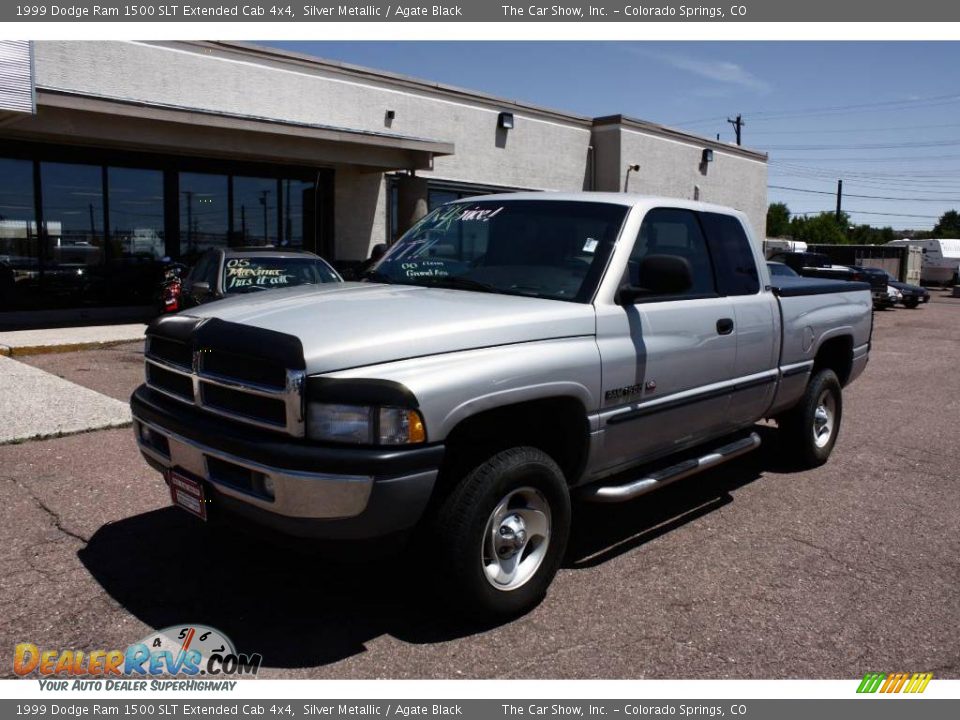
[66, 347]
[61, 340]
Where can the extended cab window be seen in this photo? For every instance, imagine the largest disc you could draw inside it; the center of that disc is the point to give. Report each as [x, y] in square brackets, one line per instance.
[736, 266]
[551, 249]
[671, 231]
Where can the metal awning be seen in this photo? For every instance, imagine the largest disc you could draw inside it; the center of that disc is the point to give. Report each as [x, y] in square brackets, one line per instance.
[116, 122]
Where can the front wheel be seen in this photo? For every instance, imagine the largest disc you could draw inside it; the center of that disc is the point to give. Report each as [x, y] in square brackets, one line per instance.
[810, 429]
[503, 530]
[911, 303]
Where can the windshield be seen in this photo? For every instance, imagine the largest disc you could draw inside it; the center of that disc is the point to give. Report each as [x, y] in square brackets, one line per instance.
[541, 248]
[250, 274]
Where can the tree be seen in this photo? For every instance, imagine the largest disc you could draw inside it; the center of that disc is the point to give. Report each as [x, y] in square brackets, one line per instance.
[822, 229]
[869, 235]
[778, 220]
[948, 226]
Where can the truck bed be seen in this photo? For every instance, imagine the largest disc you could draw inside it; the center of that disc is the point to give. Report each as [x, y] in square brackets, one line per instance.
[785, 286]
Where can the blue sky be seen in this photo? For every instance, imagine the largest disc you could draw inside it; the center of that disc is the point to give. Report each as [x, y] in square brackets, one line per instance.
[882, 116]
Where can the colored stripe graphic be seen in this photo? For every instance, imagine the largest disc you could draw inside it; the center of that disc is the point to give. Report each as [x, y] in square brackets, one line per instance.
[894, 683]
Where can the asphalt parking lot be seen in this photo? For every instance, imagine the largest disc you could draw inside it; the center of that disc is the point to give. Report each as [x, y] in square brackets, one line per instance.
[751, 571]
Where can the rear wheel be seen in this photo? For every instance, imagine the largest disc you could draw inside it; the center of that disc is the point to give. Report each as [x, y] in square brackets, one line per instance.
[502, 532]
[810, 429]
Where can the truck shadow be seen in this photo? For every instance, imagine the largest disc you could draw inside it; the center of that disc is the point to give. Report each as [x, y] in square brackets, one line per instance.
[300, 611]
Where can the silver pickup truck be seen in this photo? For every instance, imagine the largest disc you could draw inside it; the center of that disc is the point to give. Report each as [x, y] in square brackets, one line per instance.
[509, 353]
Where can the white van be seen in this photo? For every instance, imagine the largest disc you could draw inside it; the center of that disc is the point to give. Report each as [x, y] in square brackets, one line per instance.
[941, 258]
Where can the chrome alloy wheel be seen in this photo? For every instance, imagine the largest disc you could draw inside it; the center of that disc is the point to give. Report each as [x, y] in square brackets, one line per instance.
[824, 418]
[516, 538]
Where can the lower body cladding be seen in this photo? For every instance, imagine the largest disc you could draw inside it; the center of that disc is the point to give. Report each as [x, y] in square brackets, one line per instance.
[312, 492]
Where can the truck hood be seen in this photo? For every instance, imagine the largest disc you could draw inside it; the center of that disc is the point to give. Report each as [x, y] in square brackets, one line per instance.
[348, 325]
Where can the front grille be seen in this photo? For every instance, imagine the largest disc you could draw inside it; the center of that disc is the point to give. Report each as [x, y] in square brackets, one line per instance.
[238, 402]
[249, 389]
[245, 369]
[170, 351]
[170, 382]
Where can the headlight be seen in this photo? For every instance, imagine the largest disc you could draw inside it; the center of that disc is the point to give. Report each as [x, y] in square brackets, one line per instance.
[364, 424]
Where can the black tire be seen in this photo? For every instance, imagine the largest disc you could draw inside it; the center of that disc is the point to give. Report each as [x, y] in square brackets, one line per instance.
[797, 426]
[911, 303]
[461, 523]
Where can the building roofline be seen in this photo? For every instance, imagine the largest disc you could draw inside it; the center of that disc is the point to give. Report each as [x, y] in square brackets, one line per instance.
[680, 135]
[359, 72]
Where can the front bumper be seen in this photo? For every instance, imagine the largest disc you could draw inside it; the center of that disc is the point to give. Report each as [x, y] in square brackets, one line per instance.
[317, 491]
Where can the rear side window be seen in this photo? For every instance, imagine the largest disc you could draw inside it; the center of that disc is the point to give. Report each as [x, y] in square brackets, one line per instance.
[670, 231]
[736, 266]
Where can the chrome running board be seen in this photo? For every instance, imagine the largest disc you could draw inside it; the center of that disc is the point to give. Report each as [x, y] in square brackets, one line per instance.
[659, 478]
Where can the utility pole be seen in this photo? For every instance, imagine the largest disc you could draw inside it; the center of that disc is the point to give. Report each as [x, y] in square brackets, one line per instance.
[737, 125]
[839, 197]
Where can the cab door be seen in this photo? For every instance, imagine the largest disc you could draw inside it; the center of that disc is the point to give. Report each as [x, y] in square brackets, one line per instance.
[755, 313]
[666, 360]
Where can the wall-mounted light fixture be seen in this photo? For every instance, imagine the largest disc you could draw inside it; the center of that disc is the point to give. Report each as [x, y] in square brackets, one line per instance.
[391, 114]
[630, 168]
[505, 121]
[707, 156]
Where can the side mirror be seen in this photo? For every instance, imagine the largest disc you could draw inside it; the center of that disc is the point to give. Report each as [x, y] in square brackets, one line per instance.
[378, 251]
[659, 275]
[200, 289]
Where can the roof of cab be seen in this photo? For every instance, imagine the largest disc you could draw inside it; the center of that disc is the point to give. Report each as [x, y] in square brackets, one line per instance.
[612, 198]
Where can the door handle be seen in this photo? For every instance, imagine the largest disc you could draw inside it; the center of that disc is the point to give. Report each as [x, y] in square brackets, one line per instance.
[725, 326]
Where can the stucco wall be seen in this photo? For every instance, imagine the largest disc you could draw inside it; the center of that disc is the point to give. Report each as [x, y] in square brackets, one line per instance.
[673, 169]
[539, 153]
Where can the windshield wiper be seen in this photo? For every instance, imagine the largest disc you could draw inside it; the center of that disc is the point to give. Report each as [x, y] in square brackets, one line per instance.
[377, 276]
[458, 282]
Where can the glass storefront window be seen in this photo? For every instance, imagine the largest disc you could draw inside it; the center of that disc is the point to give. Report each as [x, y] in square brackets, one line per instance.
[136, 213]
[73, 215]
[298, 214]
[204, 217]
[255, 211]
[19, 249]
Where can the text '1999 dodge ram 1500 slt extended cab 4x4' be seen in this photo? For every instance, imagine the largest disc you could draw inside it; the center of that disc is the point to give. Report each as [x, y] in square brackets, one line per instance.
[507, 354]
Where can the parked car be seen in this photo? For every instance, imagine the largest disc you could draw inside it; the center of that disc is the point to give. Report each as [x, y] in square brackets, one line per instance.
[778, 269]
[171, 286]
[818, 265]
[222, 272]
[912, 295]
[508, 353]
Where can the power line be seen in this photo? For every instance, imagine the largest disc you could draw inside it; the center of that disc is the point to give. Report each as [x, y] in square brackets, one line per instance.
[836, 109]
[868, 197]
[834, 131]
[849, 211]
[868, 146]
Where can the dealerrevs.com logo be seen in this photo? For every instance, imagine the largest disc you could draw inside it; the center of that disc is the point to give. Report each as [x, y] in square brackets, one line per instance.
[889, 683]
[187, 652]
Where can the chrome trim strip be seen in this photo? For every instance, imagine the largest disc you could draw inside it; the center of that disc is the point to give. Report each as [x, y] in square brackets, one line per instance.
[166, 365]
[241, 386]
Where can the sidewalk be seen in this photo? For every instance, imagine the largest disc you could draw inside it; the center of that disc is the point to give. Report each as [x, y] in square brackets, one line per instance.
[31, 342]
[38, 404]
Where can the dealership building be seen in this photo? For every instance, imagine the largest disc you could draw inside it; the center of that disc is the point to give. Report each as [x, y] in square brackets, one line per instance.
[114, 155]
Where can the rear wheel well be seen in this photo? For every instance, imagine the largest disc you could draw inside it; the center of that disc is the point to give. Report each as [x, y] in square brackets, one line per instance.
[558, 426]
[836, 354]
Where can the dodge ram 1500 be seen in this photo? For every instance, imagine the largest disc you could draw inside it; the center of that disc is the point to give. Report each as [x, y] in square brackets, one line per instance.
[507, 354]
